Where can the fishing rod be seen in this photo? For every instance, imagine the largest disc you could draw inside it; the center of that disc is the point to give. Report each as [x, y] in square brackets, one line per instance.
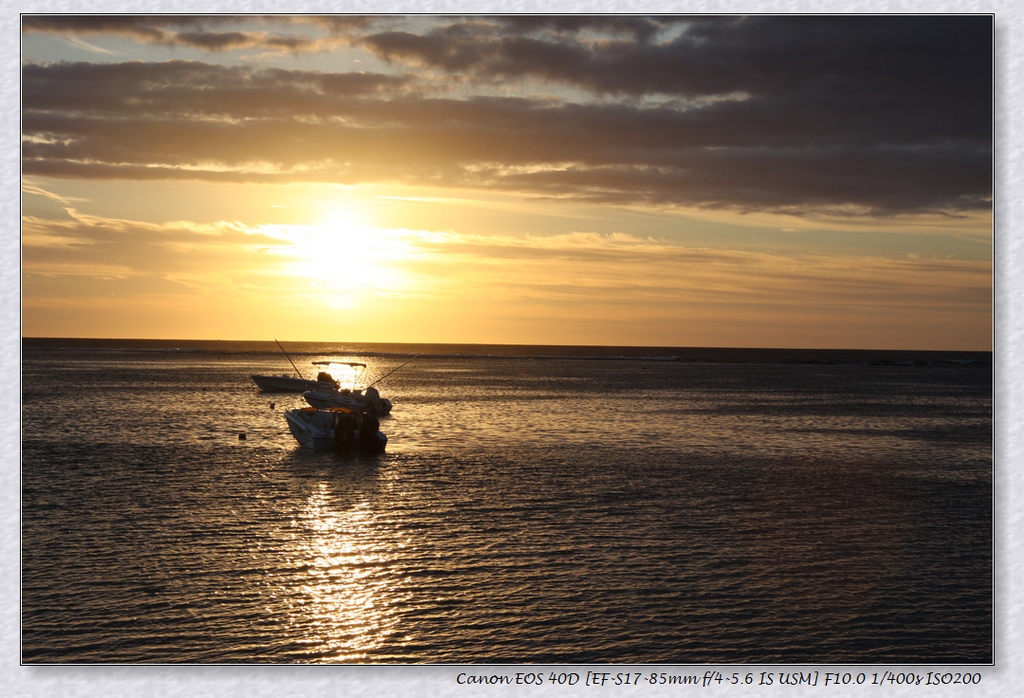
[394, 369]
[290, 360]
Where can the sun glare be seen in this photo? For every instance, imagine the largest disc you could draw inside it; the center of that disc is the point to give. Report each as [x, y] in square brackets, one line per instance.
[342, 257]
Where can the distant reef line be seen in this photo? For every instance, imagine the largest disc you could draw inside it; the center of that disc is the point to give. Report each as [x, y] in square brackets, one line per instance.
[897, 357]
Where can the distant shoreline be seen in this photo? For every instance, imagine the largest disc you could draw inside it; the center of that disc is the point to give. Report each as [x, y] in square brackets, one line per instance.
[523, 351]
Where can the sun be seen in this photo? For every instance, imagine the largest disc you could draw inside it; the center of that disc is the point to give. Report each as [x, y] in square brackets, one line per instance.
[344, 256]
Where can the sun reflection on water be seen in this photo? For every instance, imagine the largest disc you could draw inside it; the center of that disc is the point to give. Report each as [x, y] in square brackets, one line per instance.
[347, 610]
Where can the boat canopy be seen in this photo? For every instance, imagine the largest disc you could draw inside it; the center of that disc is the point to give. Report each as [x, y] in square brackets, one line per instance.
[339, 363]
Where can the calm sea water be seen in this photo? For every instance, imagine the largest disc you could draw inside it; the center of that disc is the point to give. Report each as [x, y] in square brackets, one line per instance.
[535, 505]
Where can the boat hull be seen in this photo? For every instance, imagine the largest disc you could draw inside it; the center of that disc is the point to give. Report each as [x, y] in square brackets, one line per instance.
[284, 384]
[335, 429]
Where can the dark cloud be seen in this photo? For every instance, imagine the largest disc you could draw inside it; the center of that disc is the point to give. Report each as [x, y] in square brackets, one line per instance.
[865, 115]
[214, 41]
[199, 32]
[638, 28]
[706, 55]
[177, 89]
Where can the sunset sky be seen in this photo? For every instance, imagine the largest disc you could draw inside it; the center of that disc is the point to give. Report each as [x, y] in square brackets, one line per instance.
[782, 181]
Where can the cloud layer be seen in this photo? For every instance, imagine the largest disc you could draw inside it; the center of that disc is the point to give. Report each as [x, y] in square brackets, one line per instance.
[840, 115]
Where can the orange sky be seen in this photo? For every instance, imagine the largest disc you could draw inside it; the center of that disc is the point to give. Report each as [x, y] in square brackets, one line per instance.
[553, 181]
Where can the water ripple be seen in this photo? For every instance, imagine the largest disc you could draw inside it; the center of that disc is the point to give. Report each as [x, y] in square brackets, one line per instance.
[526, 511]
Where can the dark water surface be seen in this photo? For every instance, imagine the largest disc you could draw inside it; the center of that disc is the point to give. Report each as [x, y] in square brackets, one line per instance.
[535, 505]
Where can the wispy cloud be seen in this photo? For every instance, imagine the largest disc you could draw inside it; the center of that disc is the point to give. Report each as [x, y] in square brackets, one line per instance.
[30, 187]
[601, 286]
[585, 266]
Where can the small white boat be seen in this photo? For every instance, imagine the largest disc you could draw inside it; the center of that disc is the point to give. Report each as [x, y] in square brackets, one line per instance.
[295, 383]
[366, 401]
[336, 429]
[291, 384]
[345, 393]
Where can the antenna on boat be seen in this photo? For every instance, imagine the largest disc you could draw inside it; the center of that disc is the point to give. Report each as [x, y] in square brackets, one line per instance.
[290, 360]
[393, 370]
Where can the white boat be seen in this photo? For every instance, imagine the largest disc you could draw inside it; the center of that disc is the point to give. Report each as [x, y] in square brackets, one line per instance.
[292, 384]
[296, 383]
[336, 429]
[345, 393]
[366, 401]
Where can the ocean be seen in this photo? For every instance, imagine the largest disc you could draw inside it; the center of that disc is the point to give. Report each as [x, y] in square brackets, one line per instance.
[535, 505]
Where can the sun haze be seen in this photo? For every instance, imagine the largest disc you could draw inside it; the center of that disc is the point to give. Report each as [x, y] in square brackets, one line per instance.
[762, 181]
